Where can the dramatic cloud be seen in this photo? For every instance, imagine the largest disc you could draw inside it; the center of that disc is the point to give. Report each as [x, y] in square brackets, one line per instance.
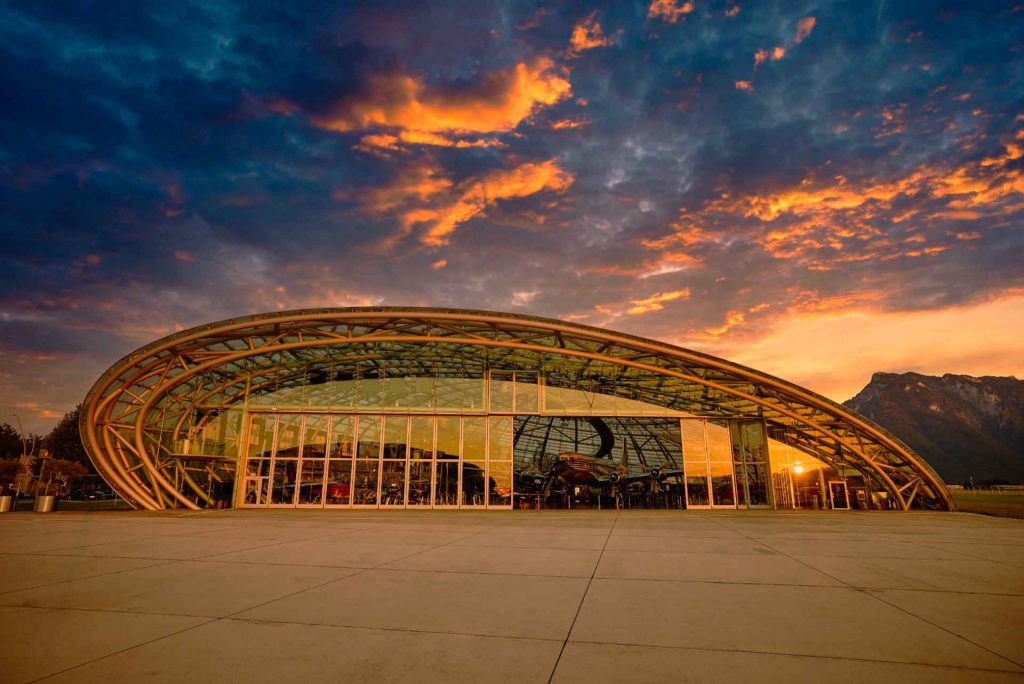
[803, 29]
[588, 34]
[499, 103]
[669, 10]
[652, 170]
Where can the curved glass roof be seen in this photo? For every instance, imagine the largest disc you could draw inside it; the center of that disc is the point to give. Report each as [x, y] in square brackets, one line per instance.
[139, 416]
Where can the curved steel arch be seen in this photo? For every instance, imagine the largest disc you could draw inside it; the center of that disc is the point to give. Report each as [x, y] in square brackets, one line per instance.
[143, 404]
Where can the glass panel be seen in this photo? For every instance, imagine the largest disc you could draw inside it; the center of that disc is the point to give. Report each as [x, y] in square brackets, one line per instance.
[502, 433]
[311, 484]
[697, 490]
[365, 489]
[526, 393]
[369, 390]
[339, 483]
[256, 491]
[314, 444]
[693, 441]
[447, 437]
[341, 436]
[392, 483]
[446, 483]
[499, 483]
[719, 445]
[757, 483]
[369, 437]
[421, 441]
[395, 437]
[419, 483]
[474, 444]
[501, 391]
[261, 435]
[288, 435]
[282, 490]
[721, 484]
[258, 467]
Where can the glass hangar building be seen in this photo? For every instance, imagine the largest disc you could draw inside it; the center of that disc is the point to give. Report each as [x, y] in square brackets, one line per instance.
[424, 408]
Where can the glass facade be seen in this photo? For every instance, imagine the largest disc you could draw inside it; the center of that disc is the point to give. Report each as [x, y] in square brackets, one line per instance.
[511, 460]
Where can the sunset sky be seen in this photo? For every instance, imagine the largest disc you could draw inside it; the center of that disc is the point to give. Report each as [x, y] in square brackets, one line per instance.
[818, 190]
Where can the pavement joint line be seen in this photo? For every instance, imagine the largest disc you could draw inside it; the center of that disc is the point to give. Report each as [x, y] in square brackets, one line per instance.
[123, 650]
[586, 590]
[338, 579]
[368, 628]
[903, 610]
[77, 579]
[786, 654]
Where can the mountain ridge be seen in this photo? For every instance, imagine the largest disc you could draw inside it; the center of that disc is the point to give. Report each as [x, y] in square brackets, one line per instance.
[964, 426]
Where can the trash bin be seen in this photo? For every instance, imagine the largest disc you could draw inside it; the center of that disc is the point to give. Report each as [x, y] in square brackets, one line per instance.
[6, 503]
[45, 504]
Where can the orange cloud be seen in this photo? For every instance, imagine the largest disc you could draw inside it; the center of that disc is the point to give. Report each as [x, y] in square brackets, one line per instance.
[439, 264]
[732, 11]
[759, 57]
[504, 99]
[569, 123]
[656, 301]
[383, 142]
[588, 34]
[778, 52]
[744, 85]
[480, 193]
[668, 10]
[824, 224]
[803, 29]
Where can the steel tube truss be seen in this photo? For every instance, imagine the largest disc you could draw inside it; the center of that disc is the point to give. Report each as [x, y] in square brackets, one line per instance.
[138, 415]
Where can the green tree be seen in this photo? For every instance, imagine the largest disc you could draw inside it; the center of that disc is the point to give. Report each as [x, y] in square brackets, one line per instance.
[64, 440]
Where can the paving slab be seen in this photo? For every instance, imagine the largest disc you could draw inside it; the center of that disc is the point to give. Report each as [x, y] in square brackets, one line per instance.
[830, 621]
[710, 567]
[583, 663]
[378, 596]
[247, 651]
[36, 642]
[179, 588]
[448, 602]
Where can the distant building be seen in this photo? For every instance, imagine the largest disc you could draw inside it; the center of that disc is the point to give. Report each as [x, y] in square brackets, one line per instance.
[436, 408]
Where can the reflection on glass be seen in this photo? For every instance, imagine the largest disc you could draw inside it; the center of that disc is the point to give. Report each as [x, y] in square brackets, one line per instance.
[392, 483]
[526, 392]
[339, 483]
[365, 485]
[369, 437]
[261, 435]
[500, 483]
[693, 441]
[696, 490]
[721, 484]
[341, 436]
[447, 437]
[419, 483]
[473, 483]
[446, 485]
[501, 392]
[258, 467]
[283, 484]
[421, 440]
[311, 482]
[719, 445]
[314, 443]
[502, 434]
[395, 437]
[369, 390]
[288, 435]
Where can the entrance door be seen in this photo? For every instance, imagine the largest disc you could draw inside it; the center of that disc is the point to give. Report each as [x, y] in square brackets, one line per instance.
[838, 494]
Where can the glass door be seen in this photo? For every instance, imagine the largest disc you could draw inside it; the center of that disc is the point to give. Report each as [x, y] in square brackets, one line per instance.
[395, 463]
[256, 485]
[707, 465]
[340, 462]
[366, 481]
[446, 463]
[313, 461]
[420, 491]
[839, 495]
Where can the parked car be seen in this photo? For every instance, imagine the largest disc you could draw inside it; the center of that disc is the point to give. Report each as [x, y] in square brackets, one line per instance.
[84, 495]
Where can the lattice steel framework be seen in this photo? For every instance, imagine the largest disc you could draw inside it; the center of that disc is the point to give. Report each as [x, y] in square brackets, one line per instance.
[142, 408]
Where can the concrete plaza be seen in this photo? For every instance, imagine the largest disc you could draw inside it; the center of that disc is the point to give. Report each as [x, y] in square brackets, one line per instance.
[523, 596]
